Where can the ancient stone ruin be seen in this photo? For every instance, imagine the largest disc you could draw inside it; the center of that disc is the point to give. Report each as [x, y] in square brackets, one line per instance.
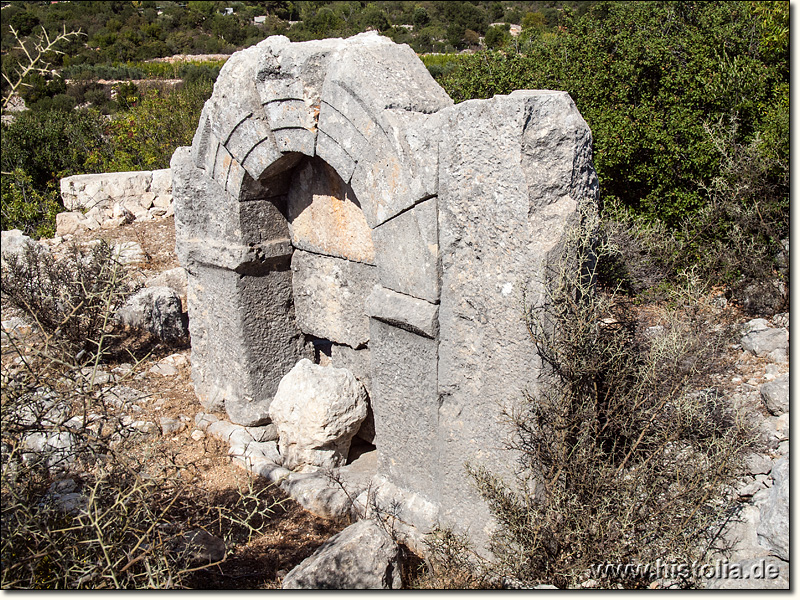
[337, 206]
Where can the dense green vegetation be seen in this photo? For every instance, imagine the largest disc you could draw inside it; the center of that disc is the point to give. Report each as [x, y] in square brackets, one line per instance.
[688, 104]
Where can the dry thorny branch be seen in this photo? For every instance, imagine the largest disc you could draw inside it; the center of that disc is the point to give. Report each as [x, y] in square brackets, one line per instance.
[36, 50]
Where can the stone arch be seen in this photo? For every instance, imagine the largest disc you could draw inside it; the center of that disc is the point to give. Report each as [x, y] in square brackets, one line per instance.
[463, 207]
[279, 111]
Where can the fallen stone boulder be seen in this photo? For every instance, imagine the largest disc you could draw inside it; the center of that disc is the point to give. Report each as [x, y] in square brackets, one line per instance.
[775, 395]
[763, 573]
[317, 411]
[773, 341]
[157, 310]
[174, 279]
[361, 557]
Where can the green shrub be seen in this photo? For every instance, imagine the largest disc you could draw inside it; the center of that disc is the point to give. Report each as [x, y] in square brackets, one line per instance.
[654, 81]
[27, 209]
[49, 144]
[145, 137]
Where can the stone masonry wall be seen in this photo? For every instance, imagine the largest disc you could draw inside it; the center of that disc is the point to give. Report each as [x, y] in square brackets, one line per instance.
[107, 200]
[336, 202]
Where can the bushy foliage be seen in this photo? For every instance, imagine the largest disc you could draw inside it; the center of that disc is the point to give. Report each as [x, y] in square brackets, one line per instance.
[651, 79]
[40, 147]
[72, 297]
[26, 208]
[145, 137]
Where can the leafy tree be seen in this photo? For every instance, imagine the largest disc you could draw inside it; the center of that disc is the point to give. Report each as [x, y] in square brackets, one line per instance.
[47, 144]
[375, 18]
[420, 17]
[646, 77]
[496, 38]
[23, 22]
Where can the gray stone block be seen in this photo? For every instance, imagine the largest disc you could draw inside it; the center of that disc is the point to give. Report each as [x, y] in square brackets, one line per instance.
[405, 404]
[244, 340]
[406, 312]
[775, 395]
[773, 529]
[329, 296]
[362, 556]
[408, 247]
[499, 226]
[157, 310]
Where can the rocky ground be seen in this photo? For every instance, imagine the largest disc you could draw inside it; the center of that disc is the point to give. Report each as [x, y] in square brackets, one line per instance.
[157, 400]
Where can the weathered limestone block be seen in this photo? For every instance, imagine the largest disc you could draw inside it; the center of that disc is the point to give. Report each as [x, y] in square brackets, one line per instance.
[362, 556]
[358, 363]
[775, 395]
[157, 310]
[513, 172]
[773, 528]
[243, 339]
[105, 194]
[329, 296]
[324, 215]
[405, 404]
[174, 279]
[406, 312]
[317, 411]
[408, 247]
[68, 223]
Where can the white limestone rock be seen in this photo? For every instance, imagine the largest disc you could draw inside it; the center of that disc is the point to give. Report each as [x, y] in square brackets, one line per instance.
[317, 411]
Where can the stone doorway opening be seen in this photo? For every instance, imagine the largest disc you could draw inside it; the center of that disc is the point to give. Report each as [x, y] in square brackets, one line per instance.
[333, 273]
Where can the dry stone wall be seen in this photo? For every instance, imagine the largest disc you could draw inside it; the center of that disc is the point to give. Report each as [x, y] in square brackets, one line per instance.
[107, 200]
[336, 205]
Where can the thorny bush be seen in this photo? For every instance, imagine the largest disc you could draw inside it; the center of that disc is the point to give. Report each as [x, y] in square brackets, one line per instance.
[621, 459]
[88, 502]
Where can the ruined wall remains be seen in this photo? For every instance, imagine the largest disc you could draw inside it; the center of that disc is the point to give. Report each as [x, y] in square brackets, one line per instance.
[105, 200]
[335, 205]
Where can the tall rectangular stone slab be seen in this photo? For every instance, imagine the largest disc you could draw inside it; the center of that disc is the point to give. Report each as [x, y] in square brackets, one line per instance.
[408, 251]
[502, 217]
[329, 297]
[244, 340]
[405, 405]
